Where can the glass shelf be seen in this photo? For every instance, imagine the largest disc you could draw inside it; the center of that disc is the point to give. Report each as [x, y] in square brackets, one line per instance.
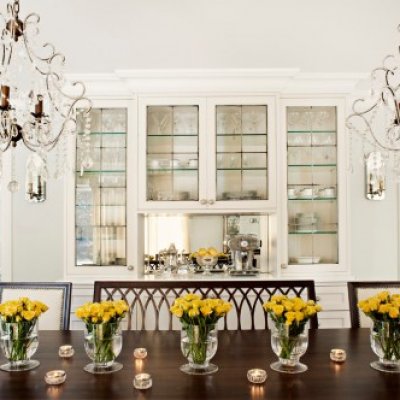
[312, 232]
[103, 133]
[316, 199]
[242, 134]
[310, 131]
[101, 171]
[312, 206]
[311, 165]
[242, 169]
[163, 135]
[170, 169]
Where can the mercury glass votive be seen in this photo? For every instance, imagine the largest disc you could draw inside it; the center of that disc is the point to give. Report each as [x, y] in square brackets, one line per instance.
[256, 375]
[66, 351]
[140, 353]
[142, 381]
[338, 355]
[55, 377]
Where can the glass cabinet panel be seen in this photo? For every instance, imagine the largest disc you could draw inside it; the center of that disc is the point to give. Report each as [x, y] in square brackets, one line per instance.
[312, 185]
[100, 192]
[242, 152]
[172, 153]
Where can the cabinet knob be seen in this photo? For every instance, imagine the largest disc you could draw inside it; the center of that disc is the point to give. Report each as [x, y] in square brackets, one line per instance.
[283, 266]
[203, 202]
[130, 267]
[211, 202]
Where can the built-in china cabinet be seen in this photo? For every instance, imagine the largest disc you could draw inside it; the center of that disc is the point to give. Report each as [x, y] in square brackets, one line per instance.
[211, 163]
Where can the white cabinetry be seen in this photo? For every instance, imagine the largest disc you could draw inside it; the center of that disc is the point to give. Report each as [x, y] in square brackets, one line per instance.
[207, 153]
[232, 143]
[314, 193]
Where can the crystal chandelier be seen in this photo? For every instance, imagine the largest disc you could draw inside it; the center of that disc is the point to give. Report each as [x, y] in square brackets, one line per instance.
[38, 107]
[376, 117]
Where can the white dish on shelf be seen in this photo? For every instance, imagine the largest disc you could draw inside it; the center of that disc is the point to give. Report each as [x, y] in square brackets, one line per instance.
[306, 260]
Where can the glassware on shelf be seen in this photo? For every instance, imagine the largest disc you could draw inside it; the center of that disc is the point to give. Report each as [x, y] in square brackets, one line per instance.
[100, 211]
[312, 185]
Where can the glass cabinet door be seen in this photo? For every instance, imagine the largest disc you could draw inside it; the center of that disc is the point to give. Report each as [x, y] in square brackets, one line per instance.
[241, 152]
[172, 152]
[312, 185]
[100, 192]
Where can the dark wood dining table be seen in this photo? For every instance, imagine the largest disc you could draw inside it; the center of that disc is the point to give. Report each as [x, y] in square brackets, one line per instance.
[237, 352]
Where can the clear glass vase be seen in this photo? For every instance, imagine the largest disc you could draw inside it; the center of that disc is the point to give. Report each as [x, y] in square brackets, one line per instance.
[19, 342]
[103, 343]
[199, 344]
[289, 343]
[385, 343]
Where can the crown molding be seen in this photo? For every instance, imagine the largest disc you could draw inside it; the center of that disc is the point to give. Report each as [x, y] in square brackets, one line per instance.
[286, 81]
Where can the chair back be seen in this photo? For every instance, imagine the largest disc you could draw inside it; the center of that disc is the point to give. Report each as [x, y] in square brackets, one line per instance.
[362, 290]
[150, 301]
[56, 295]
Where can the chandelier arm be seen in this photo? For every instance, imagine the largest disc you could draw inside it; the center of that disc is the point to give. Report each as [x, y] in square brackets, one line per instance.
[8, 143]
[392, 93]
[376, 141]
[367, 110]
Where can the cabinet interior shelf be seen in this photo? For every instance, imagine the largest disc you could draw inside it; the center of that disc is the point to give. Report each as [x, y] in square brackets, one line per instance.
[312, 232]
[316, 199]
[242, 169]
[311, 146]
[311, 165]
[311, 131]
[191, 135]
[103, 133]
[170, 169]
[241, 134]
[100, 171]
[100, 226]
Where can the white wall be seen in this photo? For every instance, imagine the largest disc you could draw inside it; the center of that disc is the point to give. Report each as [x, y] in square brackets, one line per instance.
[313, 35]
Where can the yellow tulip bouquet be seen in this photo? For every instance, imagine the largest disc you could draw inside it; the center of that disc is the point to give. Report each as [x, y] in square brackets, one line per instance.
[198, 317]
[18, 324]
[384, 310]
[290, 316]
[102, 326]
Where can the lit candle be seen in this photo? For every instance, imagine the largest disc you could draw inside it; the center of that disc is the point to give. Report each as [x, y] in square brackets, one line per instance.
[55, 377]
[256, 375]
[66, 351]
[338, 355]
[140, 353]
[142, 381]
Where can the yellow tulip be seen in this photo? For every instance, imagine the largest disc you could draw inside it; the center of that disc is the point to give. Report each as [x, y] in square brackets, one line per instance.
[206, 310]
[278, 310]
[193, 312]
[393, 312]
[28, 315]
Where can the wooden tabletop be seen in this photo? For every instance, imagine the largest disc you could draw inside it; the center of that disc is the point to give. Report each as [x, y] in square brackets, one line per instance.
[237, 352]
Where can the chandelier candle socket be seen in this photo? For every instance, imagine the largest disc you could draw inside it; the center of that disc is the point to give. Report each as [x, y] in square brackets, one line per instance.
[38, 107]
[142, 381]
[140, 353]
[257, 375]
[66, 351]
[56, 377]
[338, 355]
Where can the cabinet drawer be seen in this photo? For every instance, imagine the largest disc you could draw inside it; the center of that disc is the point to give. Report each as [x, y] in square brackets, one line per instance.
[334, 319]
[333, 297]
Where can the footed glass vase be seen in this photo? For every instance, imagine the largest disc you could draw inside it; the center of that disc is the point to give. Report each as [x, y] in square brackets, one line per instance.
[19, 342]
[289, 343]
[199, 344]
[103, 343]
[385, 343]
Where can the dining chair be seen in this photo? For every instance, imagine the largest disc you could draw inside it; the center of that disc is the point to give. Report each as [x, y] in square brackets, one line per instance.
[56, 295]
[149, 301]
[361, 290]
